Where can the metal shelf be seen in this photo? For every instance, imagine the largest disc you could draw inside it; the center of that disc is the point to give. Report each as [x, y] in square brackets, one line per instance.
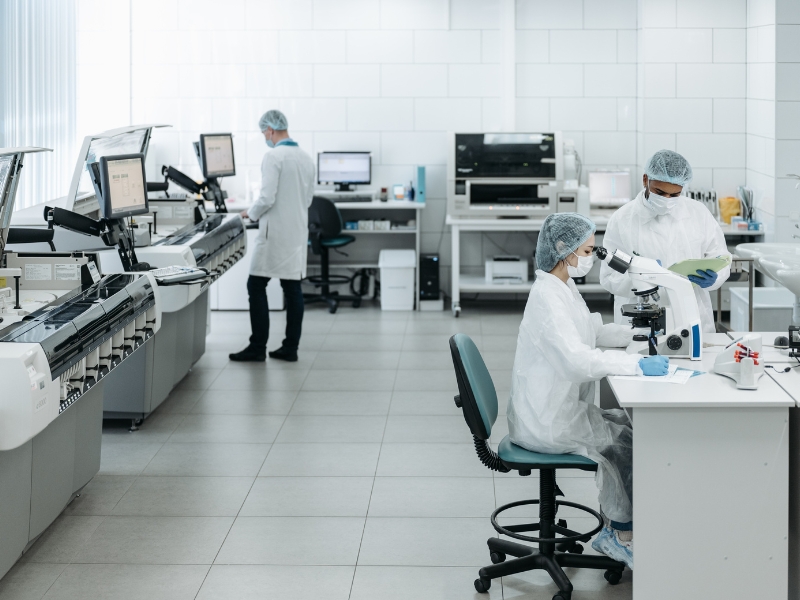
[349, 231]
[475, 283]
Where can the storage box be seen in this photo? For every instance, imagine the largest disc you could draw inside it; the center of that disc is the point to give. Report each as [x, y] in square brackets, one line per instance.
[366, 225]
[397, 272]
[772, 309]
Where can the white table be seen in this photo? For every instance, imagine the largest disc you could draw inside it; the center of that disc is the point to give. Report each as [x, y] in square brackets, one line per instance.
[351, 207]
[476, 284]
[711, 485]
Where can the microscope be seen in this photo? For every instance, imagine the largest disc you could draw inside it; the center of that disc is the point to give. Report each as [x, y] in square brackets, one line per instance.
[675, 330]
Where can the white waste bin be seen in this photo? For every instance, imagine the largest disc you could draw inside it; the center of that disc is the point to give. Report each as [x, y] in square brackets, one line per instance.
[397, 272]
[772, 309]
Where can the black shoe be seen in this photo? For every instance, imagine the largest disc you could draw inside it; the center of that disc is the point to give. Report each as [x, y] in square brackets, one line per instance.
[284, 354]
[248, 355]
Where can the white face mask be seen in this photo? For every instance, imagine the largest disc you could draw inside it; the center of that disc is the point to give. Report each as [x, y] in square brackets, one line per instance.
[584, 266]
[659, 204]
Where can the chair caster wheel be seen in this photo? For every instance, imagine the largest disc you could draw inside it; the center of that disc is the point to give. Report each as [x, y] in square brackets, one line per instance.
[482, 585]
[562, 596]
[333, 308]
[356, 303]
[613, 577]
[497, 557]
[576, 549]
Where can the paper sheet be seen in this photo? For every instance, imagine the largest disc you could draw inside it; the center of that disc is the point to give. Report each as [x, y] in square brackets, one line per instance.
[679, 375]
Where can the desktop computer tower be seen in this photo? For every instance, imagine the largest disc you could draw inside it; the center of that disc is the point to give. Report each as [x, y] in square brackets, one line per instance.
[429, 277]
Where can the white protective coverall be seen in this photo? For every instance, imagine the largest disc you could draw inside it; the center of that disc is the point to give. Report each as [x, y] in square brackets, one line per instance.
[552, 406]
[687, 231]
[287, 187]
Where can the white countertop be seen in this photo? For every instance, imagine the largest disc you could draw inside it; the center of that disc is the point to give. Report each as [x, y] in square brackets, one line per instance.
[240, 205]
[704, 391]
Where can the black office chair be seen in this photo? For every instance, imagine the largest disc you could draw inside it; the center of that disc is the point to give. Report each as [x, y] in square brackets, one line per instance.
[324, 233]
[478, 401]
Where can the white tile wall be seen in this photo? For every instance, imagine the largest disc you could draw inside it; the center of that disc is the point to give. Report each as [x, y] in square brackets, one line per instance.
[730, 45]
[380, 47]
[474, 14]
[622, 78]
[447, 46]
[583, 46]
[678, 45]
[546, 14]
[415, 80]
[712, 13]
[730, 115]
[712, 81]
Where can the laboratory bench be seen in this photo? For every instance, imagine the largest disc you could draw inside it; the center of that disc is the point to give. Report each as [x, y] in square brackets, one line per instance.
[712, 474]
[361, 255]
[463, 282]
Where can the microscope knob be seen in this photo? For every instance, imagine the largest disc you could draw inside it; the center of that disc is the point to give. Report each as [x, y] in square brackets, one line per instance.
[674, 342]
[685, 333]
[639, 338]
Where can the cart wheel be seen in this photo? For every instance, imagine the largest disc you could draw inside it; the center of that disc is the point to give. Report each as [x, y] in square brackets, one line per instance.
[456, 311]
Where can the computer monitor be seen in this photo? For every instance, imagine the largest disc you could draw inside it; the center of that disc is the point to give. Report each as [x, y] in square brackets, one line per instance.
[609, 188]
[122, 185]
[216, 155]
[344, 168]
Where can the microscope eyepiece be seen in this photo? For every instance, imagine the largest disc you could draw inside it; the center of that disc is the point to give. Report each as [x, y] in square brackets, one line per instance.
[601, 252]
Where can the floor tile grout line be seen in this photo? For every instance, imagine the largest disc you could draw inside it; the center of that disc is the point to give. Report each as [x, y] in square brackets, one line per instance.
[272, 445]
[374, 477]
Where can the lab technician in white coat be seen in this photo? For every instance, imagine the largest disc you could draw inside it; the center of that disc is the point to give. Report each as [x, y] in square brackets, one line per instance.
[663, 224]
[552, 408]
[287, 187]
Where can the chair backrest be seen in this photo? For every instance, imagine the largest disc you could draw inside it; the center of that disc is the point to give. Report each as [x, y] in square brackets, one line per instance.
[478, 398]
[324, 219]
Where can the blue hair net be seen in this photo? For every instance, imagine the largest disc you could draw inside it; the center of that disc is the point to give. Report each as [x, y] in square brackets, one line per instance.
[274, 119]
[669, 166]
[561, 235]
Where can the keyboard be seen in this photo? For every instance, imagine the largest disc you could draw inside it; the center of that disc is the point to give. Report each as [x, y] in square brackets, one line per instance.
[177, 274]
[355, 199]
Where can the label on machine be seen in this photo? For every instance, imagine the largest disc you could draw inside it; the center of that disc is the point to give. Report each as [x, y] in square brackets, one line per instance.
[38, 272]
[71, 272]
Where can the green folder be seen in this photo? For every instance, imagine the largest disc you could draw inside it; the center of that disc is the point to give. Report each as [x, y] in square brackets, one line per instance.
[690, 266]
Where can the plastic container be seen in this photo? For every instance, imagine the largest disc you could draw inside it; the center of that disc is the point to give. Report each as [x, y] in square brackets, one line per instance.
[397, 273]
[772, 309]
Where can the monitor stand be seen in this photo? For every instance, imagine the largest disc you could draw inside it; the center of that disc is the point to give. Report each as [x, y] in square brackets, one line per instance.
[345, 187]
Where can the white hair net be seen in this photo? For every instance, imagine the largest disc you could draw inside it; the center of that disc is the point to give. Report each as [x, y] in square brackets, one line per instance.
[561, 234]
[274, 119]
[669, 166]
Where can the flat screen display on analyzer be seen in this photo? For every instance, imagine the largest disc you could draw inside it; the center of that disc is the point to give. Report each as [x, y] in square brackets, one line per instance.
[216, 155]
[124, 188]
[344, 167]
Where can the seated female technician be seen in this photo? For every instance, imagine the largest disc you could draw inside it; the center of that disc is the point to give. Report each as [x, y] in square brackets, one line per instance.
[552, 406]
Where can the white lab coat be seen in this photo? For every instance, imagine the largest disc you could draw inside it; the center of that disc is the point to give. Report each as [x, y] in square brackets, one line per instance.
[552, 406]
[687, 231]
[287, 187]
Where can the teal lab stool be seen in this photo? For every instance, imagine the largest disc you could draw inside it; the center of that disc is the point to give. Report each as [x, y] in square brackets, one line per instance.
[478, 401]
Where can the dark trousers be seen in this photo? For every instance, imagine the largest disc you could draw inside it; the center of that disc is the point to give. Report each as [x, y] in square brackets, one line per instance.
[259, 312]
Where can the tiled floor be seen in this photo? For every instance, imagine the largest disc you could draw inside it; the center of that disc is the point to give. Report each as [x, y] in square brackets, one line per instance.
[349, 474]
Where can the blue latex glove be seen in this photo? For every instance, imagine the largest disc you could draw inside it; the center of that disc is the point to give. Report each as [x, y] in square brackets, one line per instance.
[654, 365]
[658, 260]
[704, 279]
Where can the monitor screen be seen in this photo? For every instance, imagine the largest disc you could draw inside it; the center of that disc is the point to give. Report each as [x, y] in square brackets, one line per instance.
[609, 187]
[216, 151]
[344, 167]
[124, 189]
